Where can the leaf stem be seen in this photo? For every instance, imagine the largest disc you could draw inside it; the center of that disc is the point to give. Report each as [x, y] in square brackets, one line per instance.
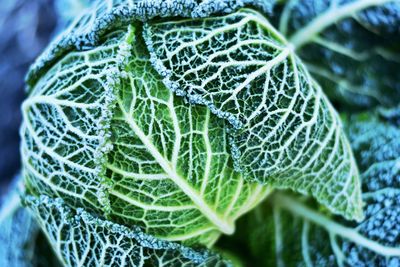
[296, 207]
[326, 19]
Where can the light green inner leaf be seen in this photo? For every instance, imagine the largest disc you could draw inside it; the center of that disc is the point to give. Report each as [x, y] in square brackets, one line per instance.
[102, 132]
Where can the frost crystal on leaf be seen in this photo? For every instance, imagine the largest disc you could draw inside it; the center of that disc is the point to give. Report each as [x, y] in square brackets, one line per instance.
[285, 131]
[296, 232]
[101, 131]
[152, 123]
[79, 238]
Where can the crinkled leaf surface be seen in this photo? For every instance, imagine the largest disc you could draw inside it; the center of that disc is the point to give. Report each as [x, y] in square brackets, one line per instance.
[81, 239]
[64, 127]
[350, 47]
[283, 130]
[297, 234]
[87, 29]
[170, 164]
[101, 131]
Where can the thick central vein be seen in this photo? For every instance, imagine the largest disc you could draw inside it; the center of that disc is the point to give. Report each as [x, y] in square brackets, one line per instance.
[222, 225]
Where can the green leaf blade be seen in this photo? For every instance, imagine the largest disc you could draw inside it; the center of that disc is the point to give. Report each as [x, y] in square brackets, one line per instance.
[284, 131]
[335, 40]
[80, 238]
[296, 231]
[163, 143]
[103, 133]
[64, 133]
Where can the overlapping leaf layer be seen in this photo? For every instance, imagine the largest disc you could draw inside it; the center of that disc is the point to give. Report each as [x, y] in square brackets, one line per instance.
[297, 232]
[178, 117]
[170, 165]
[102, 131]
[83, 240]
[350, 47]
[284, 131]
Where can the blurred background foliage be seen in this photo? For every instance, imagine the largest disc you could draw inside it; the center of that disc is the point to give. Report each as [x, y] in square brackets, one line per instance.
[26, 27]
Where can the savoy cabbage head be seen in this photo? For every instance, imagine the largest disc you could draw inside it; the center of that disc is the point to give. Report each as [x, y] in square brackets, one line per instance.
[150, 127]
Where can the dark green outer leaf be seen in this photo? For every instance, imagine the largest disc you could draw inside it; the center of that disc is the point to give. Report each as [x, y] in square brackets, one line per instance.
[356, 57]
[80, 239]
[295, 232]
[86, 31]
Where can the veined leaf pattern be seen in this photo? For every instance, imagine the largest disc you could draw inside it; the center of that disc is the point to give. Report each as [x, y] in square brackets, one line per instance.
[64, 129]
[298, 233]
[80, 239]
[102, 132]
[171, 168]
[334, 38]
[284, 130]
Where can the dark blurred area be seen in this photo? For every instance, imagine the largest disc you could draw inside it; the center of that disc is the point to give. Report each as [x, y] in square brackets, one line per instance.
[26, 27]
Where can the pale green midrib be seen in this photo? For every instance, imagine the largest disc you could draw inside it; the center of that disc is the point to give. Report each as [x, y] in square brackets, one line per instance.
[316, 70]
[342, 49]
[329, 17]
[212, 216]
[339, 257]
[276, 215]
[296, 207]
[150, 206]
[304, 244]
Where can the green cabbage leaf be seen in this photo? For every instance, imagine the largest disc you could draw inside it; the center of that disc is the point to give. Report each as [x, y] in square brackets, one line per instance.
[284, 131]
[294, 231]
[83, 240]
[350, 47]
[150, 127]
